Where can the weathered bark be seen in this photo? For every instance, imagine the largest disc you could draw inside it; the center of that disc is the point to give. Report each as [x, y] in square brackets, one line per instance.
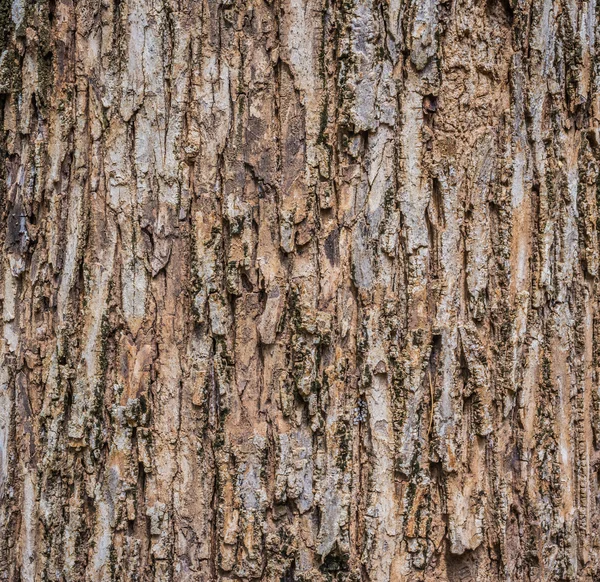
[300, 290]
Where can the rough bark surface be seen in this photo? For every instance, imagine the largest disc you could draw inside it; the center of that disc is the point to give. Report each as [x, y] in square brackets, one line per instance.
[299, 290]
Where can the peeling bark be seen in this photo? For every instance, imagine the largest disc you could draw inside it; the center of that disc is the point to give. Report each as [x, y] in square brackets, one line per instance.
[299, 290]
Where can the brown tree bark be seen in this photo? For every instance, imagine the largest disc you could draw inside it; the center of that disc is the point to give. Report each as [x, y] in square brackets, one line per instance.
[299, 290]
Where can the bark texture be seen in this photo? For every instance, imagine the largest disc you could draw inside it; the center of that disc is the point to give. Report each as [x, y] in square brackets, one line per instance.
[299, 290]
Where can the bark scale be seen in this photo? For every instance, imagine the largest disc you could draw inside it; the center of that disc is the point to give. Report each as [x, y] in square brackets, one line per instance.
[299, 290]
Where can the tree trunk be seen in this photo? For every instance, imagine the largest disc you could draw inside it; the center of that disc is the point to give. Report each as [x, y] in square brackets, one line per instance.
[300, 290]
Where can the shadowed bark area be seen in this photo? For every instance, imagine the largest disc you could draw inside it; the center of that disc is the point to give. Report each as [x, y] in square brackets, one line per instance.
[299, 290]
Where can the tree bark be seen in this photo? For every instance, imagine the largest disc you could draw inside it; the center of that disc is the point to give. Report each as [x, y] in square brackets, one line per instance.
[299, 290]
